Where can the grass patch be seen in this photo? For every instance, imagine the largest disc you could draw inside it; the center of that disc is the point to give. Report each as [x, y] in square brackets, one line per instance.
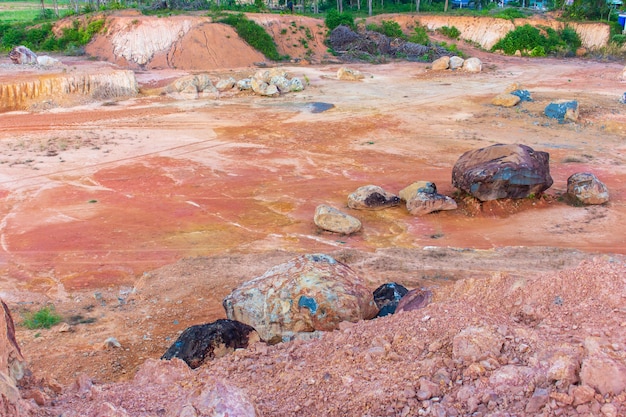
[43, 318]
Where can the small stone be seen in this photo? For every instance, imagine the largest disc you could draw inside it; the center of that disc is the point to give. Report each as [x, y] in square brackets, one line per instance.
[539, 399]
[112, 342]
[562, 110]
[372, 197]
[349, 74]
[425, 203]
[609, 410]
[333, 220]
[64, 327]
[419, 186]
[586, 188]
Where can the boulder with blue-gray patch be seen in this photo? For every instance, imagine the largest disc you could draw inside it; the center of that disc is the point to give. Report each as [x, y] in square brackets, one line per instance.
[309, 293]
[387, 297]
[502, 171]
[203, 342]
[562, 110]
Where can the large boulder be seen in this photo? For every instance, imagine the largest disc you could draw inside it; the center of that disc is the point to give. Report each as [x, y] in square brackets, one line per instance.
[586, 188]
[502, 171]
[473, 65]
[456, 62]
[203, 342]
[506, 100]
[22, 55]
[372, 197]
[440, 64]
[306, 294]
[333, 220]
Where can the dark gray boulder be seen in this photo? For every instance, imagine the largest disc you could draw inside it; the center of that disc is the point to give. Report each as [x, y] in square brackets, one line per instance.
[387, 297]
[203, 342]
[502, 171]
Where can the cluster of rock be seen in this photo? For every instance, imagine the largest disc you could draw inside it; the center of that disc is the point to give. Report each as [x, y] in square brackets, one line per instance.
[457, 63]
[21, 55]
[369, 45]
[512, 95]
[266, 82]
[499, 171]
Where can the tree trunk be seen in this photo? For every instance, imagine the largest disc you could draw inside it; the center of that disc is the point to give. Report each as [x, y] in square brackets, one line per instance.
[445, 7]
[369, 7]
[417, 6]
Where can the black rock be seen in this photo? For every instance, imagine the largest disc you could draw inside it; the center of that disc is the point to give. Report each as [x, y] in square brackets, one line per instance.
[208, 341]
[387, 297]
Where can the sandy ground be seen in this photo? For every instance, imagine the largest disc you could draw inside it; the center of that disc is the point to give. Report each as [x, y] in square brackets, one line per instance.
[136, 217]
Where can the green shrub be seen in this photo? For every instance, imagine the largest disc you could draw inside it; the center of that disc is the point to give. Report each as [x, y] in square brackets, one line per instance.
[619, 39]
[254, 34]
[334, 19]
[509, 13]
[522, 38]
[419, 35]
[388, 28]
[44, 318]
[450, 32]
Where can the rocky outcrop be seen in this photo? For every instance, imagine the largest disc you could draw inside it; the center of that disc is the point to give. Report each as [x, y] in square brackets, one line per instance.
[586, 188]
[372, 197]
[333, 220]
[12, 367]
[308, 293]
[203, 342]
[502, 171]
[107, 84]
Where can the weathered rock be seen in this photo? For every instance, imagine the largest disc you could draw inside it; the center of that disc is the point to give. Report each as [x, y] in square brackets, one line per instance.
[281, 82]
[266, 75]
[472, 65]
[502, 171]
[372, 197]
[190, 395]
[348, 74]
[601, 370]
[512, 379]
[245, 84]
[586, 188]
[422, 186]
[474, 344]
[226, 84]
[562, 110]
[203, 342]
[440, 64]
[387, 297]
[524, 95]
[295, 85]
[456, 62]
[310, 292]
[333, 220]
[505, 100]
[192, 86]
[12, 366]
[264, 89]
[47, 61]
[538, 400]
[582, 394]
[424, 203]
[21, 55]
[414, 300]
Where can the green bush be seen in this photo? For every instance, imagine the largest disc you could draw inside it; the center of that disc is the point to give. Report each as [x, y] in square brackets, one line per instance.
[44, 318]
[419, 35]
[334, 19]
[509, 13]
[254, 34]
[41, 38]
[450, 32]
[531, 41]
[619, 39]
[388, 28]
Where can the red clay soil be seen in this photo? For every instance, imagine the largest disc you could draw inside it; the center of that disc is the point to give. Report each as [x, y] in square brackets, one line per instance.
[94, 197]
